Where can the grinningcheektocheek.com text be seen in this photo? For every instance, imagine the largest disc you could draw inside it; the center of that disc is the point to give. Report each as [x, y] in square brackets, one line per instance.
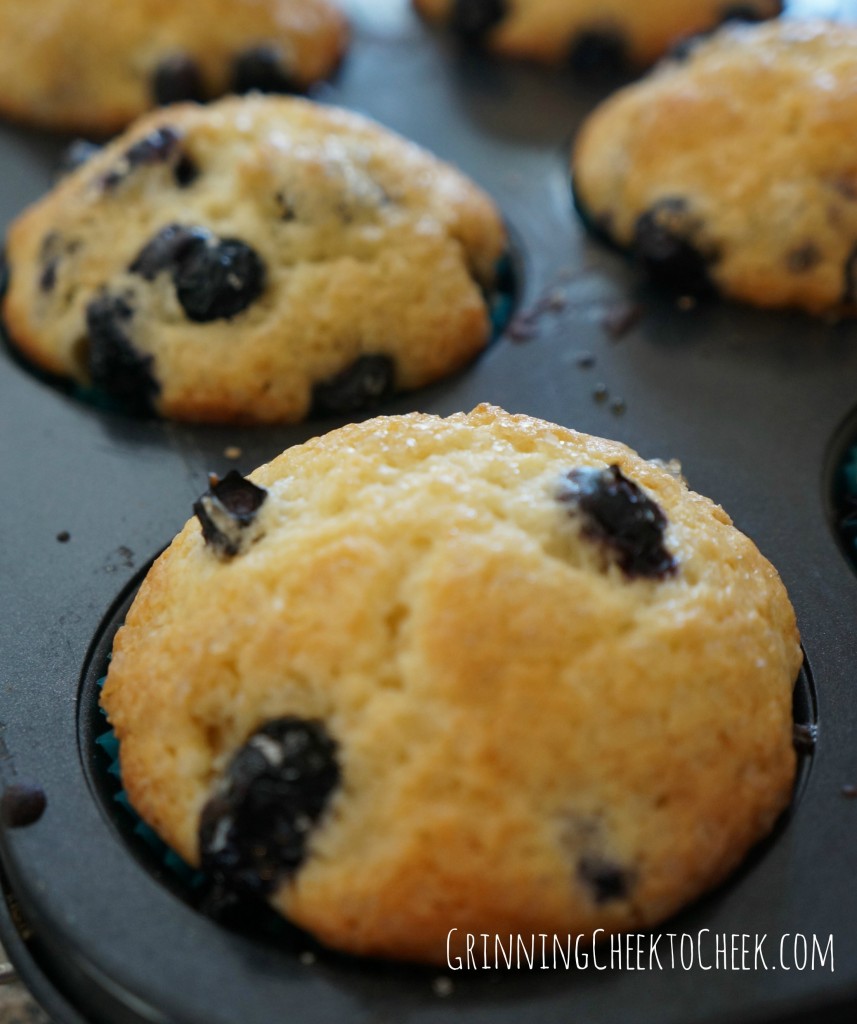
[640, 951]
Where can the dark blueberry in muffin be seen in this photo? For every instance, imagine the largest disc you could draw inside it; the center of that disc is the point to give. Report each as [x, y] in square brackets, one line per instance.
[226, 511]
[473, 19]
[618, 514]
[254, 832]
[362, 385]
[598, 51]
[742, 12]
[177, 79]
[663, 245]
[115, 366]
[803, 258]
[682, 49]
[606, 881]
[159, 147]
[49, 258]
[48, 276]
[166, 250]
[262, 69]
[218, 279]
[185, 171]
[156, 148]
[76, 154]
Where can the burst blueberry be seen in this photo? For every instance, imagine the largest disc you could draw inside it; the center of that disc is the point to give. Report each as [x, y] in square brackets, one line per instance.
[227, 512]
[253, 833]
[617, 513]
[362, 385]
[218, 279]
[664, 244]
[167, 250]
[161, 146]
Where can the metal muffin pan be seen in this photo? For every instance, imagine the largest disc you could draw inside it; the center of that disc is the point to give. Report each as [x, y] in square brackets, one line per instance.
[753, 405]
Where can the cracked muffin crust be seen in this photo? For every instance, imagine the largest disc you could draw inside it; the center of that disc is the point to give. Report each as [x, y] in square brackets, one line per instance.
[93, 67]
[481, 672]
[731, 169]
[590, 36]
[254, 260]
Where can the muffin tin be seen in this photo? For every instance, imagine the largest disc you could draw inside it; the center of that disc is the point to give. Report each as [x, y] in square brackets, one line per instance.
[754, 405]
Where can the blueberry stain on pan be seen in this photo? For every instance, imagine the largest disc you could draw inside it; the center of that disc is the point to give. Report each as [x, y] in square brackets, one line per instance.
[22, 804]
[619, 515]
[253, 832]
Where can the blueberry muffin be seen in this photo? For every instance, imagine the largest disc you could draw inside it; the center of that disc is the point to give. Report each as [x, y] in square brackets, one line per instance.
[254, 260]
[591, 36]
[481, 672]
[93, 67]
[731, 169]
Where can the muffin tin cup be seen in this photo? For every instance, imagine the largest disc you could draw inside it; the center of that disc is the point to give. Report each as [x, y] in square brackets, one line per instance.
[751, 404]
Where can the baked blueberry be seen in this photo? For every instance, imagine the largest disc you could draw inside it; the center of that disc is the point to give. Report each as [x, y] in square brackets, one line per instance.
[803, 258]
[177, 79]
[606, 881]
[218, 279]
[598, 51]
[227, 511]
[254, 832]
[744, 12]
[262, 69]
[472, 19]
[363, 385]
[618, 514]
[159, 147]
[115, 366]
[662, 243]
[167, 250]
